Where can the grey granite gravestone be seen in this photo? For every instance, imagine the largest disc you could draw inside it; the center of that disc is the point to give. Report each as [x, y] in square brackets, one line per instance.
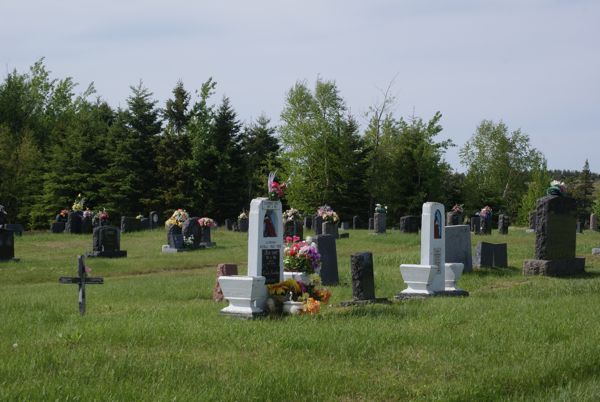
[454, 218]
[363, 280]
[73, 224]
[205, 237]
[228, 224]
[593, 222]
[371, 223]
[355, 222]
[106, 243]
[458, 246]
[345, 225]
[491, 255]
[308, 222]
[379, 223]
[329, 264]
[410, 224]
[555, 242]
[503, 223]
[175, 240]
[153, 218]
[476, 224]
[485, 225]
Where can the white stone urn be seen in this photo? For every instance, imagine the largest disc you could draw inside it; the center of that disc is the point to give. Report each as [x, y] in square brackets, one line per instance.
[418, 278]
[293, 307]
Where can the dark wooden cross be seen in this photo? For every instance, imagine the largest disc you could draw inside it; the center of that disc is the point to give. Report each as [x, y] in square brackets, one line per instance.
[82, 279]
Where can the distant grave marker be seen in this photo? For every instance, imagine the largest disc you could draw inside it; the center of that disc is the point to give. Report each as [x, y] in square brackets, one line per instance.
[81, 280]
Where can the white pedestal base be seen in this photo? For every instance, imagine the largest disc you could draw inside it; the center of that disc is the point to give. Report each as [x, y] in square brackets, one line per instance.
[453, 273]
[247, 295]
[418, 278]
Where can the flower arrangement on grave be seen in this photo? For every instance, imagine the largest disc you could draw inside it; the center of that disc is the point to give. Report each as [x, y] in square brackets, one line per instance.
[101, 215]
[310, 294]
[486, 212]
[140, 216]
[556, 188]
[327, 214]
[300, 256]
[380, 209]
[457, 209]
[243, 215]
[276, 189]
[78, 204]
[64, 213]
[178, 218]
[207, 222]
[291, 215]
[88, 213]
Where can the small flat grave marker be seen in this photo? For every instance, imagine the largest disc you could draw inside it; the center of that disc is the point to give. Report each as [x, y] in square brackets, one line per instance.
[81, 279]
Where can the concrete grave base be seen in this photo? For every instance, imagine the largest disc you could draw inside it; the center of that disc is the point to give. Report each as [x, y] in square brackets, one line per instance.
[443, 293]
[247, 295]
[107, 254]
[596, 251]
[379, 300]
[563, 267]
[168, 249]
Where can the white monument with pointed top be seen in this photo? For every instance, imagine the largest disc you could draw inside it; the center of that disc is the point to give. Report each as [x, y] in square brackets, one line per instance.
[247, 295]
[432, 275]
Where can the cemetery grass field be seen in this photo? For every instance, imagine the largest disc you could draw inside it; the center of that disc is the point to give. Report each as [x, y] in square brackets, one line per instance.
[152, 331]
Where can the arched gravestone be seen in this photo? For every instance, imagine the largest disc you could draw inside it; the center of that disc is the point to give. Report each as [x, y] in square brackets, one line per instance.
[555, 239]
[153, 218]
[106, 243]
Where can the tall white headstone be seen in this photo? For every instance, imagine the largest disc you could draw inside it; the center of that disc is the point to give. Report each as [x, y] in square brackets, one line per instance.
[265, 240]
[433, 244]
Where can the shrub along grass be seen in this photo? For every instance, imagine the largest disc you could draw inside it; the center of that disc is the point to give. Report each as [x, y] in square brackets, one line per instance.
[152, 331]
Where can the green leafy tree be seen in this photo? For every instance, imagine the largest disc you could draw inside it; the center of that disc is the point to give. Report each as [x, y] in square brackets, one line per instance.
[499, 164]
[536, 188]
[583, 192]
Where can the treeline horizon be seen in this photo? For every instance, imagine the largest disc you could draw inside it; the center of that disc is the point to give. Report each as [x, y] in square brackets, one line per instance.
[194, 153]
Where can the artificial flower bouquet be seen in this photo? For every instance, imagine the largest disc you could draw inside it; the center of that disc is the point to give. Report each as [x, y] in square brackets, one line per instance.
[328, 214]
[556, 188]
[276, 189]
[300, 256]
[310, 294]
[380, 209]
[243, 215]
[178, 218]
[206, 222]
[291, 215]
[486, 212]
[78, 204]
[457, 209]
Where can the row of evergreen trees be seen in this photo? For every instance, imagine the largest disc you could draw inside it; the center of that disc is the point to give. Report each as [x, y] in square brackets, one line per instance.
[195, 154]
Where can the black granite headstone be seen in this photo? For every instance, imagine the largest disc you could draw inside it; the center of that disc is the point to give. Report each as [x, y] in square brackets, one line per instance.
[318, 225]
[308, 222]
[355, 222]
[7, 244]
[106, 243]
[363, 280]
[175, 237]
[243, 224]
[330, 228]
[503, 223]
[410, 224]
[491, 255]
[485, 226]
[86, 225]
[57, 227]
[476, 224]
[329, 264]
[192, 230]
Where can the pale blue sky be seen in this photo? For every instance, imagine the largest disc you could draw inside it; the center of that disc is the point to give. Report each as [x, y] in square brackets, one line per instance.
[533, 64]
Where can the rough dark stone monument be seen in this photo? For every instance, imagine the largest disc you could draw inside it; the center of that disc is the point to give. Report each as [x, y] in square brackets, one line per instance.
[503, 224]
[57, 227]
[223, 270]
[476, 224]
[329, 264]
[379, 223]
[73, 224]
[491, 255]
[293, 228]
[318, 225]
[81, 279]
[554, 240]
[363, 280]
[106, 243]
[458, 246]
[330, 228]
[532, 221]
[410, 224]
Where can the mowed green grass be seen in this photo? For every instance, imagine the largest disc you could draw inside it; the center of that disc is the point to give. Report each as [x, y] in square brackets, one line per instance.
[152, 331]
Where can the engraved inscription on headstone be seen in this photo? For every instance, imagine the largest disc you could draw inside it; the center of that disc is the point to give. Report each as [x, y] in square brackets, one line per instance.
[270, 265]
